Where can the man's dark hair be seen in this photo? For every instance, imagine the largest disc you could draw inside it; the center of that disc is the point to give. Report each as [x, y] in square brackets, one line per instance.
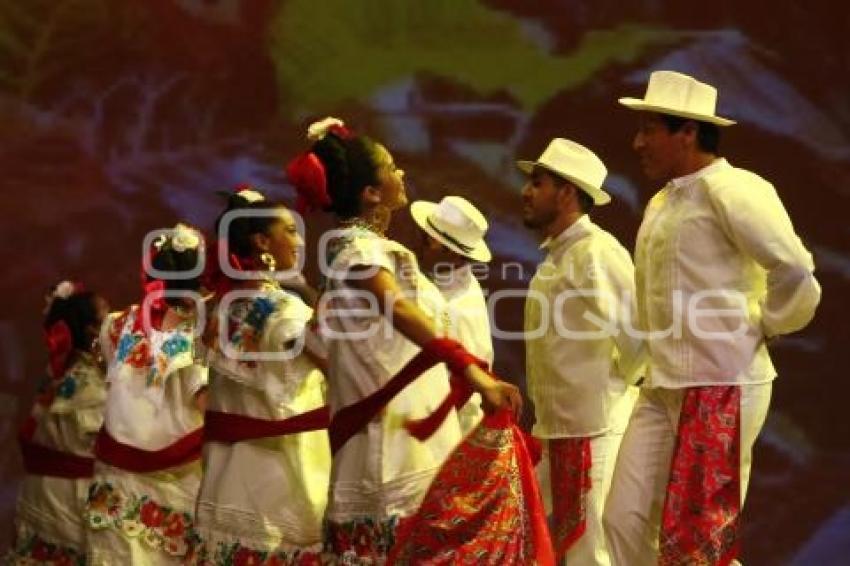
[585, 201]
[708, 135]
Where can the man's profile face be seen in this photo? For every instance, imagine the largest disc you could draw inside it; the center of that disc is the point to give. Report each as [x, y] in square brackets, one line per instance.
[660, 151]
[540, 199]
[432, 253]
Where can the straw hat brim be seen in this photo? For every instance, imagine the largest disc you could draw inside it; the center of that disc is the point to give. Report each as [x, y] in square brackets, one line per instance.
[640, 104]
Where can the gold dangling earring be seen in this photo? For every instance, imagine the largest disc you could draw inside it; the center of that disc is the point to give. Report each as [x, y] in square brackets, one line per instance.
[269, 260]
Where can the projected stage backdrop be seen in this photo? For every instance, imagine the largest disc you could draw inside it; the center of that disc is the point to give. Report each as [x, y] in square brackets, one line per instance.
[121, 117]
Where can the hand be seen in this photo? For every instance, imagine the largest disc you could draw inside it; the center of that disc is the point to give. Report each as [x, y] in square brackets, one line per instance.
[502, 395]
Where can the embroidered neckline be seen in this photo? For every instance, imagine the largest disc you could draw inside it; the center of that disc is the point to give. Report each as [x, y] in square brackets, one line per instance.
[172, 349]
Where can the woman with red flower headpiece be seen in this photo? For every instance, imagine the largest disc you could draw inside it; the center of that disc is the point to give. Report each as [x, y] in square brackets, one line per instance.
[141, 504]
[57, 440]
[386, 382]
[266, 459]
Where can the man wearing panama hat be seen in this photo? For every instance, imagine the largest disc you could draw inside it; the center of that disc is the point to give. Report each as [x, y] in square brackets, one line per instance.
[453, 232]
[717, 261]
[579, 359]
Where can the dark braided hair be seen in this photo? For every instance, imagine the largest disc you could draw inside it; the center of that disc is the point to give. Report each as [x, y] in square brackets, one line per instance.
[350, 166]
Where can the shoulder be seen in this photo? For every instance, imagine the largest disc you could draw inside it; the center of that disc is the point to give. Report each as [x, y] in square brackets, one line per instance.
[735, 182]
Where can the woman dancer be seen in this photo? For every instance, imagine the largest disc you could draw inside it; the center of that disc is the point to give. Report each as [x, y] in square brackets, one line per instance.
[141, 504]
[376, 316]
[267, 458]
[57, 440]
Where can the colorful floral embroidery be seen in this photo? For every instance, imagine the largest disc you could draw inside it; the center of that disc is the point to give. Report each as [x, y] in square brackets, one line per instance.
[177, 344]
[158, 526]
[134, 349]
[75, 379]
[115, 328]
[361, 539]
[67, 387]
[247, 321]
[32, 549]
[236, 554]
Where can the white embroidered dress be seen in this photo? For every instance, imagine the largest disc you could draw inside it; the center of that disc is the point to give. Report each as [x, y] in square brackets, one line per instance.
[264, 497]
[67, 415]
[147, 518]
[381, 474]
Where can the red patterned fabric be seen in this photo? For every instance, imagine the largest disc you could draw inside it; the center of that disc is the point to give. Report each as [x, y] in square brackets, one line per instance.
[569, 465]
[483, 507]
[699, 525]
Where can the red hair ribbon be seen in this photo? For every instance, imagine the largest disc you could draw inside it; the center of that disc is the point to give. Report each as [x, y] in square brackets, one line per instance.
[214, 277]
[307, 174]
[60, 344]
[153, 306]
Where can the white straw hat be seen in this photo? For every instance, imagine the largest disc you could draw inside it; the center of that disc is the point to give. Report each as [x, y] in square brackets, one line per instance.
[575, 163]
[669, 92]
[456, 224]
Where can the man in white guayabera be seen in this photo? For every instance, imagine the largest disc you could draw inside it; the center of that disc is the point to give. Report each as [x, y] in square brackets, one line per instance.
[719, 270]
[579, 353]
[453, 233]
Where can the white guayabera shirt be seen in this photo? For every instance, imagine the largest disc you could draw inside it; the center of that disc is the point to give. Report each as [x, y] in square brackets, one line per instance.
[579, 355]
[468, 322]
[719, 268]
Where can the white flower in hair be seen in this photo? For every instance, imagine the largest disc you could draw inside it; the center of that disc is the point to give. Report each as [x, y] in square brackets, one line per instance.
[251, 195]
[184, 238]
[64, 290]
[318, 130]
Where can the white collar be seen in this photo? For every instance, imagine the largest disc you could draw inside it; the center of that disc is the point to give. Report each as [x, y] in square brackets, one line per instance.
[580, 225]
[713, 167]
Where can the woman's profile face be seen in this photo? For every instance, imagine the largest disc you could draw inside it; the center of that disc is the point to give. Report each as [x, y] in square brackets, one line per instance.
[390, 180]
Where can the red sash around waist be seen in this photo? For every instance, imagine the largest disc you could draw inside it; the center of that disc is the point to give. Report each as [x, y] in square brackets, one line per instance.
[230, 427]
[351, 419]
[43, 461]
[126, 457]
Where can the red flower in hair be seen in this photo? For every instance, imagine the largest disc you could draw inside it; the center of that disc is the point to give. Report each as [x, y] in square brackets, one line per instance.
[307, 173]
